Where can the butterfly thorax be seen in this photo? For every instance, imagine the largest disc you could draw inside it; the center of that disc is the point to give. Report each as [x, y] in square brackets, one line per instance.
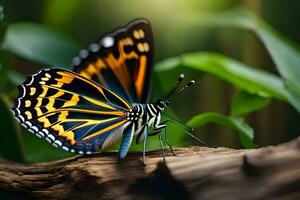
[142, 114]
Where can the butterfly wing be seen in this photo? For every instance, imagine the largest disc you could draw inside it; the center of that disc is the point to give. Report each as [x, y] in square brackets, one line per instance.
[70, 111]
[121, 61]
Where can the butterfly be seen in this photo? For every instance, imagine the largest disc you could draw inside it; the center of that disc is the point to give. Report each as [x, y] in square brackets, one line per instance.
[104, 99]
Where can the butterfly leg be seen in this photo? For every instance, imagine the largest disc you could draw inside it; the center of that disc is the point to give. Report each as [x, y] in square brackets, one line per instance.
[144, 147]
[142, 136]
[158, 129]
[154, 132]
[162, 146]
[167, 140]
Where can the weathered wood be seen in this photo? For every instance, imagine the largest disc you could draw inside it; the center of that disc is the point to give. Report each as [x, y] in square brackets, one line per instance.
[195, 173]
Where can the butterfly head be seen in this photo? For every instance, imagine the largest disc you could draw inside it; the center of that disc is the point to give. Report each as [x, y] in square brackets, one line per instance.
[162, 103]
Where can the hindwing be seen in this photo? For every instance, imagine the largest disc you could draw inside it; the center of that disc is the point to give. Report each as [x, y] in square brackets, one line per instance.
[69, 110]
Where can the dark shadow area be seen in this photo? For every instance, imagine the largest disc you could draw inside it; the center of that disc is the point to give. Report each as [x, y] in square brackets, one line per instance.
[160, 184]
[16, 195]
[251, 169]
[84, 186]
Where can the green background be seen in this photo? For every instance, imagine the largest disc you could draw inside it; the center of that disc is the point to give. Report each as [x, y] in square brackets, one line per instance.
[243, 55]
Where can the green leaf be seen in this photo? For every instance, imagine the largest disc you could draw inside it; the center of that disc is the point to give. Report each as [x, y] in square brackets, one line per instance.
[244, 103]
[285, 53]
[242, 76]
[245, 132]
[40, 44]
[249, 79]
[10, 140]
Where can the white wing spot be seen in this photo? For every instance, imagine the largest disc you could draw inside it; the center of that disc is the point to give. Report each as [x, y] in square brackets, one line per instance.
[58, 142]
[28, 123]
[94, 47]
[76, 61]
[30, 130]
[35, 128]
[108, 41]
[45, 131]
[42, 134]
[83, 53]
[17, 119]
[49, 140]
[51, 137]
[65, 148]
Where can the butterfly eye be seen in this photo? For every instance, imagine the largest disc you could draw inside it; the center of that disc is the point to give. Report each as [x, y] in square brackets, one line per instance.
[167, 102]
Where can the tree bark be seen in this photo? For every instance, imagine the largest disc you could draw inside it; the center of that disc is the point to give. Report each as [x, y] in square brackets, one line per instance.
[195, 173]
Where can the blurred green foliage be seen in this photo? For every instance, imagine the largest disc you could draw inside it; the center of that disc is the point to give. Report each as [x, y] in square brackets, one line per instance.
[10, 138]
[284, 52]
[39, 44]
[237, 124]
[255, 88]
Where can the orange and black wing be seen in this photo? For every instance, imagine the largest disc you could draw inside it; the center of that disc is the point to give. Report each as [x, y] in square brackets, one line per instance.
[121, 61]
[70, 111]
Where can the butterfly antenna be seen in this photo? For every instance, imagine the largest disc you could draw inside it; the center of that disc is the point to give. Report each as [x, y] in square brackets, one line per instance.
[184, 126]
[176, 89]
[178, 123]
[192, 82]
[176, 86]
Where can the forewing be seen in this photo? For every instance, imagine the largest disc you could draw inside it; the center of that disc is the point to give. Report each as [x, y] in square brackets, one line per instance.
[121, 61]
[68, 110]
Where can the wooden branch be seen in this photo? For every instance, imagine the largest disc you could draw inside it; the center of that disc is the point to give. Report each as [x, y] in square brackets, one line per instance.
[195, 173]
